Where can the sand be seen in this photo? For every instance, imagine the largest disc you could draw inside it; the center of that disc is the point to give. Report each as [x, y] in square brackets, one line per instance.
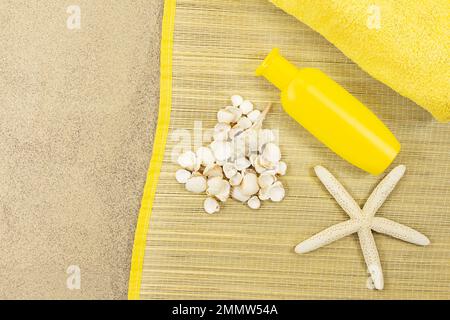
[77, 115]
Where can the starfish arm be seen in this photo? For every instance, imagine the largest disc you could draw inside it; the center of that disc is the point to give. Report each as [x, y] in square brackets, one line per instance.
[370, 252]
[337, 190]
[399, 231]
[328, 236]
[382, 191]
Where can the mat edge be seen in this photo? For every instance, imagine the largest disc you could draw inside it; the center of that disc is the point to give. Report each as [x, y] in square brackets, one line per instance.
[162, 128]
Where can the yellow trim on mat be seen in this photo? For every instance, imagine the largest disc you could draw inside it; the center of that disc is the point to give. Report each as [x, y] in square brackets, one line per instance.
[165, 101]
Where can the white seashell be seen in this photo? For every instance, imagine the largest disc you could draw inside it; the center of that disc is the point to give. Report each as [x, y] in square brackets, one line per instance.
[238, 195]
[265, 136]
[249, 184]
[213, 170]
[263, 194]
[211, 205]
[254, 115]
[196, 184]
[225, 193]
[271, 153]
[242, 163]
[265, 180]
[236, 100]
[276, 192]
[220, 135]
[237, 113]
[281, 168]
[246, 107]
[254, 202]
[235, 132]
[217, 186]
[258, 123]
[187, 160]
[244, 123]
[268, 165]
[253, 158]
[222, 127]
[221, 131]
[205, 156]
[198, 164]
[182, 175]
[224, 116]
[258, 167]
[221, 162]
[263, 166]
[221, 150]
[229, 170]
[236, 179]
[272, 172]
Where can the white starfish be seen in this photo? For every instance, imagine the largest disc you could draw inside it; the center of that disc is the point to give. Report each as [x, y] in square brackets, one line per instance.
[363, 221]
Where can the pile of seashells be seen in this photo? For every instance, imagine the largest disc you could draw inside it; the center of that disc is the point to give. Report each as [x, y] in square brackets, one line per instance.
[242, 162]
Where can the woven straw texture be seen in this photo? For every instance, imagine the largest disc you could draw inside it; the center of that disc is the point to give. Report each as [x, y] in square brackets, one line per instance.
[244, 254]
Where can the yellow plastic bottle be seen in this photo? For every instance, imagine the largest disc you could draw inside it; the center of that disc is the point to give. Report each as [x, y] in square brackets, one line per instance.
[331, 114]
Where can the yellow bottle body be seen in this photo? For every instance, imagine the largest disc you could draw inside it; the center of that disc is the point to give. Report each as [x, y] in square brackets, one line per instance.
[332, 114]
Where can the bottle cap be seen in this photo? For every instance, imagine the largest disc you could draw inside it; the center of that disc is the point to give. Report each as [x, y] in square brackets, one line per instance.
[277, 69]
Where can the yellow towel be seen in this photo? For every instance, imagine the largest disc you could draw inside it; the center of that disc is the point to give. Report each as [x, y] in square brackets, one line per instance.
[403, 43]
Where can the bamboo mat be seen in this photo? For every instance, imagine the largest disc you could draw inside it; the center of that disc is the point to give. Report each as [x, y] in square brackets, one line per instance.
[244, 254]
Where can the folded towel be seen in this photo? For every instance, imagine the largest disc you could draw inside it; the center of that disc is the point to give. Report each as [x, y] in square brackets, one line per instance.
[403, 43]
